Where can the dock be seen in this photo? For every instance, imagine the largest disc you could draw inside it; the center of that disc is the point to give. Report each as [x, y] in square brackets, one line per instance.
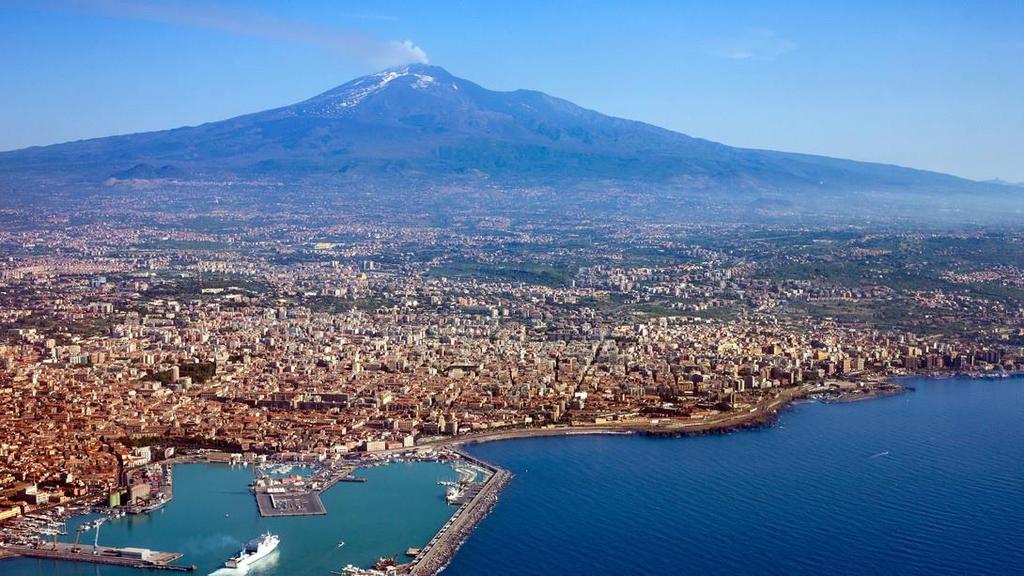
[273, 501]
[439, 551]
[304, 503]
[332, 477]
[124, 557]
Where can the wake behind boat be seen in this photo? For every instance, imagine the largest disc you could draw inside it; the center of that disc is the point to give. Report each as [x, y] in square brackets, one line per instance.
[256, 550]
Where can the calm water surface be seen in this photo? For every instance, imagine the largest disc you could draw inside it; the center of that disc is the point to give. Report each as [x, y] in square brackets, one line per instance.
[213, 515]
[930, 482]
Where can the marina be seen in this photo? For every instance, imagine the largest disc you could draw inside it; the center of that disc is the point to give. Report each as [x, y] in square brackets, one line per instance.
[475, 500]
[283, 491]
[475, 492]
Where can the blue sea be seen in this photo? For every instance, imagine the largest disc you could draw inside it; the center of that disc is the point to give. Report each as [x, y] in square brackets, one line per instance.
[930, 482]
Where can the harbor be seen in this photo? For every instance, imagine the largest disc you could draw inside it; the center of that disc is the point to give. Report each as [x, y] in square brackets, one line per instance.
[281, 489]
[475, 493]
[398, 505]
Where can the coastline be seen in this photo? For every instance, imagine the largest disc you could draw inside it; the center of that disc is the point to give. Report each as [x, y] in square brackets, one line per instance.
[969, 375]
[440, 551]
[436, 556]
[762, 414]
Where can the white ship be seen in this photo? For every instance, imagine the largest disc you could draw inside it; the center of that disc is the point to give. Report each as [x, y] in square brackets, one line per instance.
[254, 551]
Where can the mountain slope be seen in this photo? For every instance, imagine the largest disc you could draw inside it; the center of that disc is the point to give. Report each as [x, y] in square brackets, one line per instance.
[424, 127]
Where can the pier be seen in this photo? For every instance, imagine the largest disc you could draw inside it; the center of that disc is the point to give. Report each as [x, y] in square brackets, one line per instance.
[279, 500]
[439, 551]
[125, 557]
[304, 503]
[331, 477]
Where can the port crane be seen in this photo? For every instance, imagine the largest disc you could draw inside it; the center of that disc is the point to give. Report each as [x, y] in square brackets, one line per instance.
[96, 540]
[51, 532]
[78, 536]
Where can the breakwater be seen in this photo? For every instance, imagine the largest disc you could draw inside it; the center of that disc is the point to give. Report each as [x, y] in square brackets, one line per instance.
[442, 547]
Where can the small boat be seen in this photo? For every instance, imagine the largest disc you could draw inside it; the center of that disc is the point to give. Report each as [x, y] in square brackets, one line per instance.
[341, 543]
[453, 495]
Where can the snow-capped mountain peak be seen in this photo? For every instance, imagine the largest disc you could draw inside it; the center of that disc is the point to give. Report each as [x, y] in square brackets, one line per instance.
[347, 97]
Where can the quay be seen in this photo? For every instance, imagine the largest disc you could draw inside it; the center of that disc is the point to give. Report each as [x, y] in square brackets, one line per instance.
[303, 503]
[332, 477]
[125, 557]
[275, 500]
[433, 557]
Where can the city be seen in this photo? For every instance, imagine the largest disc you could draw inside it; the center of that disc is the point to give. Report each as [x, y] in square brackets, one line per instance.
[543, 289]
[280, 340]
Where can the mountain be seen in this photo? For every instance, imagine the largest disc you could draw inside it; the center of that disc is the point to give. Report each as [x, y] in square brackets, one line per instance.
[422, 128]
[1002, 182]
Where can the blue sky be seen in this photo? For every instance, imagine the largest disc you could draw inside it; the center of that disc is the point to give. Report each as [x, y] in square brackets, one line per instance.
[929, 84]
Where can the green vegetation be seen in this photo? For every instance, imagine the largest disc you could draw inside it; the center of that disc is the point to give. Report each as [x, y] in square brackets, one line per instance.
[194, 286]
[199, 372]
[339, 305]
[180, 442]
[540, 274]
[84, 327]
[161, 245]
[657, 310]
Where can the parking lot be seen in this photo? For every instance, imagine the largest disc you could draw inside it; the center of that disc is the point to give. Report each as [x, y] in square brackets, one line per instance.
[290, 504]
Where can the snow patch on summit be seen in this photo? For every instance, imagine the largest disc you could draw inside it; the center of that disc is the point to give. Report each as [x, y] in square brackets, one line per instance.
[374, 83]
[368, 88]
[422, 81]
